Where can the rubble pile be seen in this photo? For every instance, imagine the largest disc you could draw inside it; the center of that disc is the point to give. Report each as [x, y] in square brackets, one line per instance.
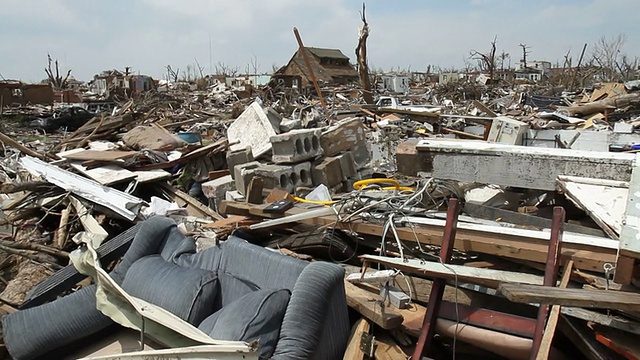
[500, 218]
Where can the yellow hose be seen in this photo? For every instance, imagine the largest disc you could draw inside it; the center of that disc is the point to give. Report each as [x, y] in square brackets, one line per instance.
[362, 183]
[319, 202]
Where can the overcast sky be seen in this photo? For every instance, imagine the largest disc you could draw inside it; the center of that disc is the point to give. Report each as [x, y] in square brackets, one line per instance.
[90, 36]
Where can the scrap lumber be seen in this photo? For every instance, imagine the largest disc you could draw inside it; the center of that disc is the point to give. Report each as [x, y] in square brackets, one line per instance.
[585, 256]
[10, 188]
[23, 149]
[120, 202]
[388, 349]
[372, 307]
[552, 321]
[99, 155]
[603, 299]
[211, 149]
[193, 206]
[486, 277]
[354, 352]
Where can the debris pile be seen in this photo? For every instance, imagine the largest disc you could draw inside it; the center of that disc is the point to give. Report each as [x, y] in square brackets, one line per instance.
[470, 219]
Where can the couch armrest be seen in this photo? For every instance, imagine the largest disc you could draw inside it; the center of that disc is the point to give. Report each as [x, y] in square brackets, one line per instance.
[316, 323]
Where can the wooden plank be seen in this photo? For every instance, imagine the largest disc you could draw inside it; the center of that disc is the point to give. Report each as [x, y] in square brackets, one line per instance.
[254, 190]
[218, 174]
[618, 300]
[194, 207]
[585, 257]
[99, 155]
[487, 277]
[552, 321]
[512, 217]
[148, 176]
[482, 107]
[387, 349]
[353, 351]
[371, 306]
[626, 270]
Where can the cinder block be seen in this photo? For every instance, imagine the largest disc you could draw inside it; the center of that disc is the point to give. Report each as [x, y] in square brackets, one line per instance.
[342, 136]
[216, 190]
[347, 165]
[327, 172]
[243, 175]
[361, 154]
[296, 146]
[302, 175]
[276, 176]
[238, 157]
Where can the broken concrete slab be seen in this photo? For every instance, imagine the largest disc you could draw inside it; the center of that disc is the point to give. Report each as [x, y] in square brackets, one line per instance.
[344, 135]
[296, 146]
[252, 128]
[238, 157]
[519, 166]
[216, 190]
[243, 174]
[327, 172]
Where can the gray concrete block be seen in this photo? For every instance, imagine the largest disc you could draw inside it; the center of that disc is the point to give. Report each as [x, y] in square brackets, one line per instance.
[327, 172]
[302, 175]
[216, 190]
[347, 165]
[342, 136]
[276, 176]
[238, 157]
[243, 175]
[296, 145]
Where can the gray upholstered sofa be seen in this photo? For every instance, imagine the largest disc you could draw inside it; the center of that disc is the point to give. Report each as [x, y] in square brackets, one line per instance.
[162, 265]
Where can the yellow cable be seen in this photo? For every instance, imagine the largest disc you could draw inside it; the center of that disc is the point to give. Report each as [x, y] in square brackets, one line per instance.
[319, 202]
[362, 183]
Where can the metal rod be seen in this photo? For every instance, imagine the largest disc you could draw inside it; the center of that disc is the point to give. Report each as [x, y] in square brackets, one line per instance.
[437, 290]
[142, 334]
[312, 75]
[550, 275]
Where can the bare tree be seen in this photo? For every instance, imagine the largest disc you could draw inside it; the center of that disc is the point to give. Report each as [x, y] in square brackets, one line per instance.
[172, 75]
[606, 53]
[486, 62]
[525, 52]
[361, 55]
[57, 81]
[199, 68]
[225, 70]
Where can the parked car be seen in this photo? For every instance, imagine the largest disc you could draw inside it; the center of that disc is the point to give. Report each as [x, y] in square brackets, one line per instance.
[70, 118]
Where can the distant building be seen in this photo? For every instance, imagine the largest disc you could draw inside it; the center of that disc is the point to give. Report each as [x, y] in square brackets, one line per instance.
[14, 92]
[448, 77]
[114, 83]
[394, 83]
[249, 79]
[330, 66]
[533, 70]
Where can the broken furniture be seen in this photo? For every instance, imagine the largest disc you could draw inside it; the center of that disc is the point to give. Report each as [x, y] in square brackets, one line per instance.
[161, 267]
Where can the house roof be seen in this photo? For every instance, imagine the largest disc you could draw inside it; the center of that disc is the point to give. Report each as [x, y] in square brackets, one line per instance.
[327, 53]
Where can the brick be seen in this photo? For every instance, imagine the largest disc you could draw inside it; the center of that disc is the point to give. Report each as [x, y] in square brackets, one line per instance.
[243, 174]
[238, 157]
[276, 176]
[347, 165]
[296, 145]
[344, 135]
[327, 172]
[216, 190]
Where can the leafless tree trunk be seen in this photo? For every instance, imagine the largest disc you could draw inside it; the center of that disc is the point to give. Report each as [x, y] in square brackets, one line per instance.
[486, 62]
[361, 54]
[57, 81]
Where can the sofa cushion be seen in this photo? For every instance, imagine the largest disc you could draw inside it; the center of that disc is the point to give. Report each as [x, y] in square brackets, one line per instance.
[186, 292]
[254, 316]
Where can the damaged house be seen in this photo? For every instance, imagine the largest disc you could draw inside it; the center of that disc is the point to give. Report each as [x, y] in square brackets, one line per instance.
[17, 92]
[330, 66]
[115, 83]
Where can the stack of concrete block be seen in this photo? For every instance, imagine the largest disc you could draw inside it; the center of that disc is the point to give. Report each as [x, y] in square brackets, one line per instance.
[335, 157]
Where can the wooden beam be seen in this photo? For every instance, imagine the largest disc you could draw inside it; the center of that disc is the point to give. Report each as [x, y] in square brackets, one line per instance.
[487, 277]
[354, 352]
[372, 307]
[618, 300]
[554, 315]
[387, 349]
[585, 257]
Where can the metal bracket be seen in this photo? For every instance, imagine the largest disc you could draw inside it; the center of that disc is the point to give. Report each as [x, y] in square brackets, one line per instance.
[367, 344]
